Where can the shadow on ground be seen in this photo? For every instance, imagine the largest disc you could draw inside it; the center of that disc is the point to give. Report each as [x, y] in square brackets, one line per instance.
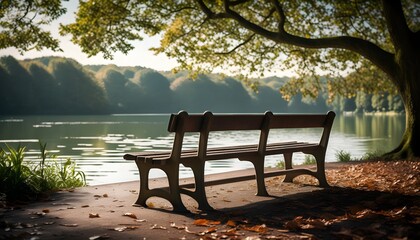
[332, 213]
[339, 213]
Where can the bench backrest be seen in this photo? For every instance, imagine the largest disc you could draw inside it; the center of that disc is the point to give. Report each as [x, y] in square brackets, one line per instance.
[183, 122]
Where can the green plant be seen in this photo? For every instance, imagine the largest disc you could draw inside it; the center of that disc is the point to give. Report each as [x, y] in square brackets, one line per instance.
[53, 174]
[14, 174]
[372, 155]
[309, 160]
[343, 156]
[20, 177]
[280, 164]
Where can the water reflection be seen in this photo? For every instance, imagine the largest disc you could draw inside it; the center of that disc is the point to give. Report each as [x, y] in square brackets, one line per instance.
[98, 143]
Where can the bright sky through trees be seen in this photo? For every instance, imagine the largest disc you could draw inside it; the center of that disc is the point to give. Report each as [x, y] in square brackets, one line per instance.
[140, 56]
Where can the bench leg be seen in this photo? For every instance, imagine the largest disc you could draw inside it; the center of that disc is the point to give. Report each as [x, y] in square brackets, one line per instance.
[259, 176]
[173, 196]
[172, 172]
[144, 185]
[320, 169]
[288, 165]
[199, 193]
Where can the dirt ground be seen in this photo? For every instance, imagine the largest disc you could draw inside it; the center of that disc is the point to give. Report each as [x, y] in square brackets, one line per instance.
[372, 200]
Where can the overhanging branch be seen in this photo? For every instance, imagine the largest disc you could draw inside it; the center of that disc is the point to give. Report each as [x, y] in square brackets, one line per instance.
[282, 16]
[237, 46]
[383, 59]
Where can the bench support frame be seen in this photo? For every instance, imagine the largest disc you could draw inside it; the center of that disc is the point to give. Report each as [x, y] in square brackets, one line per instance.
[195, 159]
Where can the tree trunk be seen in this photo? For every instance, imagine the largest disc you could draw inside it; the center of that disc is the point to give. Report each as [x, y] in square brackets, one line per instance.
[408, 82]
[410, 143]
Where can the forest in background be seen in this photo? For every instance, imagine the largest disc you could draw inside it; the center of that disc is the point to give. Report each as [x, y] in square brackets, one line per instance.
[54, 85]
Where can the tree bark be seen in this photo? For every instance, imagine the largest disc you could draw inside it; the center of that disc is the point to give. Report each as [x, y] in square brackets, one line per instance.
[408, 83]
[406, 76]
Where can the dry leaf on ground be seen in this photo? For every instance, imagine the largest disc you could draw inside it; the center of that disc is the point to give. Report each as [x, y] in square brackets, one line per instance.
[94, 215]
[205, 222]
[131, 215]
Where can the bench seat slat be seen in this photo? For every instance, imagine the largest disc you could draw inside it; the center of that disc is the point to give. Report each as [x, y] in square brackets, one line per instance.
[225, 152]
[156, 154]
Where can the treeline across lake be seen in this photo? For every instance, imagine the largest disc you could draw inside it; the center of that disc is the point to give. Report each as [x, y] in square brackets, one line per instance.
[53, 85]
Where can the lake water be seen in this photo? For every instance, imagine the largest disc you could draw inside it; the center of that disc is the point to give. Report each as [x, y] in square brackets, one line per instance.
[97, 143]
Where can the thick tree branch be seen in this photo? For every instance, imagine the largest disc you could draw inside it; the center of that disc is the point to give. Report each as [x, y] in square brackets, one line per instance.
[396, 22]
[210, 14]
[381, 58]
[237, 2]
[282, 16]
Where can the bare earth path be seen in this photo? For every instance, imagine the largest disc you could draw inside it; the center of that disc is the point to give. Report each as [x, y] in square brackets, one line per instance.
[372, 200]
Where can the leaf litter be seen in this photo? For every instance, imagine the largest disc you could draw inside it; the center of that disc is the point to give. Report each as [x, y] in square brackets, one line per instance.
[400, 177]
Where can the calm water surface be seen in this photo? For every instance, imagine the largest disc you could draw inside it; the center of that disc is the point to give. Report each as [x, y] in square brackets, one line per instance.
[97, 143]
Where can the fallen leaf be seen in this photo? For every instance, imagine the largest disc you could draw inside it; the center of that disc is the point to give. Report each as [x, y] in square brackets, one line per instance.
[205, 222]
[56, 204]
[257, 228]
[209, 230]
[27, 225]
[292, 225]
[38, 213]
[132, 215]
[231, 223]
[69, 224]
[94, 215]
[173, 225]
[231, 232]
[99, 237]
[155, 226]
[85, 206]
[190, 232]
[122, 229]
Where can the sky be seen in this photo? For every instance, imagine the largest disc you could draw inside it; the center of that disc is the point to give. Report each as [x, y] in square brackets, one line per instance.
[139, 56]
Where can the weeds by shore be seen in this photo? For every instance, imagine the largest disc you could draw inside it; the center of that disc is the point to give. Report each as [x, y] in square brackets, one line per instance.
[22, 179]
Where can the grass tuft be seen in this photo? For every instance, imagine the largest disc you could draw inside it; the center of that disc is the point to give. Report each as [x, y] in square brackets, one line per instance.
[309, 160]
[21, 179]
[375, 155]
[343, 156]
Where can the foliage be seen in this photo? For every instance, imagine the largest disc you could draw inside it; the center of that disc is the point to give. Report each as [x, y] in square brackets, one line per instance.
[53, 85]
[250, 36]
[48, 86]
[280, 164]
[14, 173]
[375, 155]
[343, 156]
[22, 179]
[309, 160]
[22, 24]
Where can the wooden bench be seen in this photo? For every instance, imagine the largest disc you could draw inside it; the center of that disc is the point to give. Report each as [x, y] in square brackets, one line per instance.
[182, 123]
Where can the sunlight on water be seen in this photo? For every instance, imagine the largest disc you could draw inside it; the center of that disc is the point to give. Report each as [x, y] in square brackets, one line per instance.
[98, 143]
